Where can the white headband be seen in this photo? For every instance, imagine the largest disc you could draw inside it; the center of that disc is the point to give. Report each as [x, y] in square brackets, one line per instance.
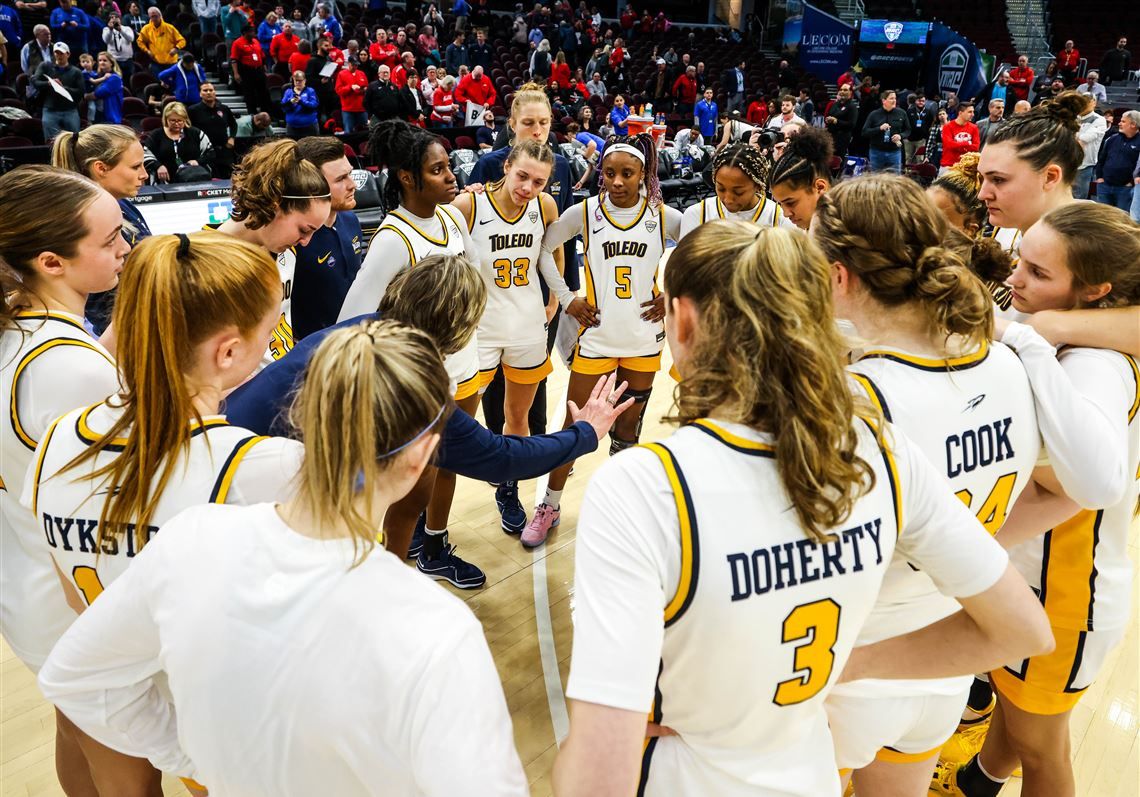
[634, 151]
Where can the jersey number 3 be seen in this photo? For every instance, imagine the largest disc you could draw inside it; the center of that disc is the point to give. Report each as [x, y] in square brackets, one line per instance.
[503, 268]
[816, 627]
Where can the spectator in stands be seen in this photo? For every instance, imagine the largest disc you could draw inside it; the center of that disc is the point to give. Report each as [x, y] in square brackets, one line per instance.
[207, 12]
[35, 52]
[69, 25]
[382, 50]
[382, 99]
[1021, 79]
[805, 108]
[59, 112]
[540, 63]
[1091, 134]
[1116, 62]
[519, 32]
[254, 126]
[108, 91]
[367, 65]
[997, 90]
[283, 45]
[154, 95]
[757, 113]
[934, 140]
[456, 54]
[247, 62]
[412, 103]
[480, 16]
[1055, 89]
[325, 22]
[787, 115]
[427, 47]
[11, 28]
[443, 107]
[160, 40]
[407, 66]
[485, 135]
[991, 122]
[921, 117]
[217, 121]
[841, 117]
[1068, 62]
[595, 87]
[433, 18]
[1042, 82]
[134, 18]
[119, 40]
[476, 87]
[560, 70]
[299, 60]
[848, 78]
[429, 83]
[184, 79]
[618, 114]
[734, 83]
[617, 59]
[302, 109]
[706, 114]
[1021, 106]
[175, 146]
[480, 53]
[351, 84]
[234, 19]
[959, 137]
[1117, 163]
[885, 129]
[685, 91]
[300, 27]
[1093, 88]
[587, 124]
[266, 31]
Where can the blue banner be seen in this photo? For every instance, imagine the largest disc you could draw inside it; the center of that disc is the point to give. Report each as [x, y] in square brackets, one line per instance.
[826, 44]
[954, 64]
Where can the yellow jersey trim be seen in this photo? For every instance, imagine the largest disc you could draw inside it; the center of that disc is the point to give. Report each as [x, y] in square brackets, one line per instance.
[690, 549]
[407, 243]
[90, 436]
[1136, 376]
[27, 360]
[722, 211]
[40, 464]
[928, 364]
[229, 469]
[424, 235]
[495, 205]
[873, 393]
[47, 315]
[632, 224]
[734, 441]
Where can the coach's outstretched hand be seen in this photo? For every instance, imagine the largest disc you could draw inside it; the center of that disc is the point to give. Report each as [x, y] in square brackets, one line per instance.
[603, 408]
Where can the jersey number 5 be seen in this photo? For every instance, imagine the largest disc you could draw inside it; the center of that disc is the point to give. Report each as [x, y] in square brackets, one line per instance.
[623, 287]
[816, 627]
[993, 510]
[503, 268]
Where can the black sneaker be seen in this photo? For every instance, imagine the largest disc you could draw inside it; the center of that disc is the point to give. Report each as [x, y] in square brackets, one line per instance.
[511, 512]
[449, 567]
[417, 545]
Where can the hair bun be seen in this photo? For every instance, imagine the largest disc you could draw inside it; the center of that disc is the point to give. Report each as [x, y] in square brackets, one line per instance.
[936, 273]
[990, 261]
[967, 166]
[812, 144]
[1066, 108]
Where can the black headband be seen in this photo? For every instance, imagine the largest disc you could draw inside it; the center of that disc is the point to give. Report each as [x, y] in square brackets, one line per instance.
[183, 245]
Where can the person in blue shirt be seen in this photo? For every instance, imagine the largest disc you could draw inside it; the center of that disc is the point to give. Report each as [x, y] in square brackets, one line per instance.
[262, 404]
[327, 264]
[69, 25]
[108, 89]
[185, 80]
[302, 109]
[705, 115]
[12, 27]
[268, 28]
[618, 116]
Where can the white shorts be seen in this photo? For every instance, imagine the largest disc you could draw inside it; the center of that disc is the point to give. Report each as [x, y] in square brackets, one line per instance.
[894, 728]
[463, 370]
[524, 364]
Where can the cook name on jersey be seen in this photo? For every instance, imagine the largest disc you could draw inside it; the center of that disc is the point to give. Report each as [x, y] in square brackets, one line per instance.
[788, 564]
[79, 534]
[978, 447]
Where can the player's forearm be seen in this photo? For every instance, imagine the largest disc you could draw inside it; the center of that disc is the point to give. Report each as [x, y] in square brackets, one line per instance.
[1036, 511]
[1116, 328]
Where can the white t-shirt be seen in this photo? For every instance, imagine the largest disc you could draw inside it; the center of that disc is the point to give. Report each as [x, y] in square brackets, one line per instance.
[289, 673]
[700, 598]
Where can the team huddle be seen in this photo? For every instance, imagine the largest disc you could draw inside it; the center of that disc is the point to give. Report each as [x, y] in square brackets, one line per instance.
[885, 548]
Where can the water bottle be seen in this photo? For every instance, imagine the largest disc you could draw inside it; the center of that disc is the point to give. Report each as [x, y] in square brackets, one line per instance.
[887, 136]
[648, 109]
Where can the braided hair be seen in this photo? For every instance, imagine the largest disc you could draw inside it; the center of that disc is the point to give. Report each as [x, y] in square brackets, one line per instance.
[807, 158]
[753, 161]
[643, 143]
[1047, 134]
[962, 182]
[401, 147]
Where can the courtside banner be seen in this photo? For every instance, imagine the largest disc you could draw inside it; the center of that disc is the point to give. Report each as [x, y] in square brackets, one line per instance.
[827, 44]
[954, 64]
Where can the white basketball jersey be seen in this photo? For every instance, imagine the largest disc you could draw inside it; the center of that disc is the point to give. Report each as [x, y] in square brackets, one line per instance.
[463, 365]
[621, 274]
[33, 613]
[767, 212]
[281, 343]
[1081, 569]
[762, 621]
[508, 260]
[974, 419]
[68, 505]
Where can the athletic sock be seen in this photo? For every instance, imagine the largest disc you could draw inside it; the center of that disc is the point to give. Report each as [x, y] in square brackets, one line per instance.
[433, 543]
[553, 498]
[978, 704]
[974, 781]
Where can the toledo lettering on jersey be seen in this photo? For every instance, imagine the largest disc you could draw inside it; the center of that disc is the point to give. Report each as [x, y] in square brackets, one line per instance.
[624, 249]
[804, 561]
[976, 448]
[78, 534]
[513, 241]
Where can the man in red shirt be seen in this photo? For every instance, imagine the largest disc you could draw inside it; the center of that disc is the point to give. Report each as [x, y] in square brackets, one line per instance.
[1068, 61]
[283, 45]
[351, 83]
[1021, 79]
[400, 73]
[685, 91]
[475, 87]
[248, 64]
[383, 51]
[960, 136]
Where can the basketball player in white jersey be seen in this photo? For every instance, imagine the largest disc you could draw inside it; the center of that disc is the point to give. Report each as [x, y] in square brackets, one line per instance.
[623, 231]
[287, 625]
[61, 238]
[420, 222]
[507, 222]
[801, 175]
[278, 221]
[106, 478]
[924, 324]
[1068, 534]
[740, 174]
[722, 576]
